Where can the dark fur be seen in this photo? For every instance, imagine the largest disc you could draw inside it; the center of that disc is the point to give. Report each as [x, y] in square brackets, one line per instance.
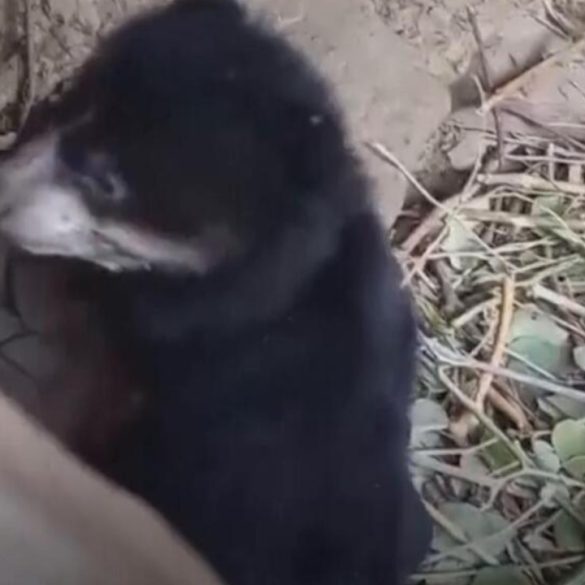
[280, 383]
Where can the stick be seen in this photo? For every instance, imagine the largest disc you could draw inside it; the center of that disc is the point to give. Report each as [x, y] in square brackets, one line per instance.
[434, 218]
[530, 183]
[384, 154]
[546, 385]
[506, 312]
[558, 300]
[509, 409]
[420, 262]
[522, 221]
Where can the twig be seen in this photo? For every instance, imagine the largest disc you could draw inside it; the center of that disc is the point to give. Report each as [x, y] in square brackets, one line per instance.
[469, 191]
[509, 409]
[420, 262]
[435, 217]
[472, 312]
[456, 451]
[381, 151]
[562, 23]
[431, 464]
[578, 578]
[518, 83]
[487, 79]
[548, 159]
[451, 302]
[520, 221]
[559, 268]
[542, 293]
[449, 576]
[506, 312]
[530, 183]
[551, 162]
[548, 386]
[467, 422]
[487, 422]
[513, 110]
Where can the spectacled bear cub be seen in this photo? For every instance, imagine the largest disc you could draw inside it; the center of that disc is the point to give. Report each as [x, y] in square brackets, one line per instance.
[200, 166]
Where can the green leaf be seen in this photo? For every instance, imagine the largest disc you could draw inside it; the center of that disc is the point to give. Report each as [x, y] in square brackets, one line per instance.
[576, 467]
[477, 525]
[473, 464]
[569, 534]
[446, 565]
[538, 340]
[579, 356]
[550, 357]
[550, 201]
[429, 413]
[568, 439]
[501, 576]
[428, 418]
[460, 237]
[559, 407]
[528, 322]
[497, 455]
[546, 456]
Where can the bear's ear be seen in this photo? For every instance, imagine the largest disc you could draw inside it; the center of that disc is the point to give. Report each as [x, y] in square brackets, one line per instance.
[232, 7]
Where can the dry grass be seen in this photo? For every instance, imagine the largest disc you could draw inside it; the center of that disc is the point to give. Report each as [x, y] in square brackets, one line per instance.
[498, 275]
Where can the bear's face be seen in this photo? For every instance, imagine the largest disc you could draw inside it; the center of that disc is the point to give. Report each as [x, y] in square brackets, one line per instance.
[46, 208]
[189, 138]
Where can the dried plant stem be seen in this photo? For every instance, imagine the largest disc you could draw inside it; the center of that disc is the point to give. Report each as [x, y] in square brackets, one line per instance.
[420, 263]
[431, 464]
[578, 578]
[558, 300]
[529, 183]
[487, 422]
[467, 422]
[505, 320]
[473, 312]
[447, 576]
[545, 385]
[521, 221]
[384, 154]
[510, 410]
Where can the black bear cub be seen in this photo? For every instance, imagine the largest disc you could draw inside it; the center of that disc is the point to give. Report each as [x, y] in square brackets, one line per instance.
[200, 166]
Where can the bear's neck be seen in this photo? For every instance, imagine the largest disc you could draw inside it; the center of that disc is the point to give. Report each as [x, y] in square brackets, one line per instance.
[263, 287]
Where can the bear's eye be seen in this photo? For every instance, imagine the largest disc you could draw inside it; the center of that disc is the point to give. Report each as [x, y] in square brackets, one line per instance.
[98, 186]
[88, 169]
